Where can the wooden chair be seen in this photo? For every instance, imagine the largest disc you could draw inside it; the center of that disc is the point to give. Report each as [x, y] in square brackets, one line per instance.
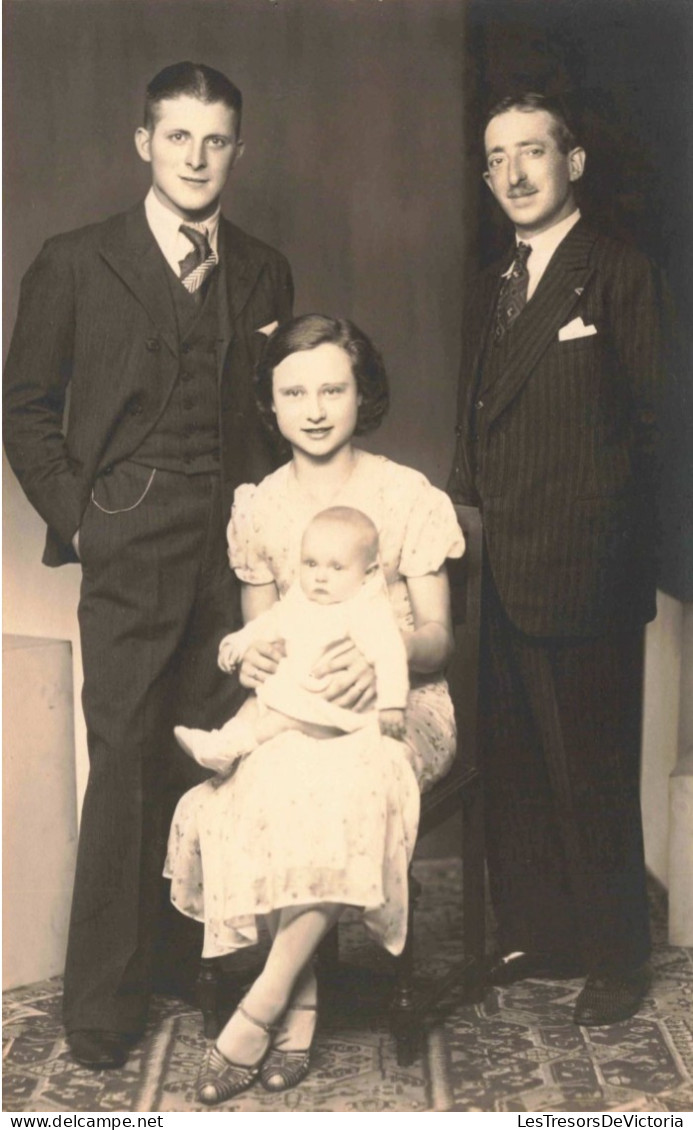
[459, 792]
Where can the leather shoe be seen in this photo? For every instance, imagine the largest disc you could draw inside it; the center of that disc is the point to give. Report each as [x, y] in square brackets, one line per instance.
[506, 969]
[98, 1049]
[609, 997]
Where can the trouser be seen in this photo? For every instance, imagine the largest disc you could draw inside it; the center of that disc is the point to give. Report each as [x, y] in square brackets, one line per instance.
[157, 596]
[560, 745]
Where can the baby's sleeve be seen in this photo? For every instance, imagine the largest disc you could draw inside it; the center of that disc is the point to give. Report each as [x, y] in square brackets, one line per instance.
[244, 538]
[431, 533]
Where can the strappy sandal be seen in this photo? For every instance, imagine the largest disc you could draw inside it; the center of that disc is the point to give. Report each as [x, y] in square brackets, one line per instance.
[220, 1079]
[280, 1069]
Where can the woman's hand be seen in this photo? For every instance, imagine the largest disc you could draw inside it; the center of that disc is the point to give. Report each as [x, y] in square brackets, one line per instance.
[260, 661]
[347, 678]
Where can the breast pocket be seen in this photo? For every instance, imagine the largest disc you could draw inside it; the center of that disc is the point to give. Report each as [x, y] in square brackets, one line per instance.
[578, 344]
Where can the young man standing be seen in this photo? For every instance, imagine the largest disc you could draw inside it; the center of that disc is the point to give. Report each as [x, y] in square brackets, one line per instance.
[154, 320]
[556, 431]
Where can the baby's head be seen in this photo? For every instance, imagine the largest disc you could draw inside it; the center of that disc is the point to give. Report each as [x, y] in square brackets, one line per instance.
[339, 552]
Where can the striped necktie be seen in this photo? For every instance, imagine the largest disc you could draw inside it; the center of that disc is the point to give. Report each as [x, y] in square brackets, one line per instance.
[198, 263]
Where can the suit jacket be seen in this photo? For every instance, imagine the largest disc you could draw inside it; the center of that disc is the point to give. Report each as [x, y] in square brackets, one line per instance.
[559, 452]
[95, 315]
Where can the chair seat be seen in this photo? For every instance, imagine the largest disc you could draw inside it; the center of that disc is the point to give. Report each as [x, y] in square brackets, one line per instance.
[441, 801]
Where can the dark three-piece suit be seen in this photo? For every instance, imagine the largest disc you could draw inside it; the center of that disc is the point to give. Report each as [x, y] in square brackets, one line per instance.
[557, 446]
[160, 428]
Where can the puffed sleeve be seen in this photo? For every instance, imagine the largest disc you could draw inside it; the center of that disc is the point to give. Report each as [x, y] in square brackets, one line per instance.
[431, 533]
[244, 538]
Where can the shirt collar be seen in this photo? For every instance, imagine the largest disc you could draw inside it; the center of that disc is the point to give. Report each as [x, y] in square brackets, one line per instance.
[165, 227]
[545, 243]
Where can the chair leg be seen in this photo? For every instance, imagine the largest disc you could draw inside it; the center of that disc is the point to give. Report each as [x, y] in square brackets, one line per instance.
[403, 1018]
[474, 886]
[208, 984]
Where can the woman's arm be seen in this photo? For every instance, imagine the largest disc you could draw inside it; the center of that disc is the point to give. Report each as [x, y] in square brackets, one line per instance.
[430, 645]
[262, 658]
[256, 599]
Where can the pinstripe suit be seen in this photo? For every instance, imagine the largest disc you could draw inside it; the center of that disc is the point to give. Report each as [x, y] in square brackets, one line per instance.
[97, 313]
[558, 451]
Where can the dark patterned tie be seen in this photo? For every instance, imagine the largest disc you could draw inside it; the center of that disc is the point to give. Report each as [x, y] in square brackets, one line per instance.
[513, 292]
[198, 263]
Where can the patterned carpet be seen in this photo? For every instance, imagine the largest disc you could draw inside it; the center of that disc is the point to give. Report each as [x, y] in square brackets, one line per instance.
[517, 1051]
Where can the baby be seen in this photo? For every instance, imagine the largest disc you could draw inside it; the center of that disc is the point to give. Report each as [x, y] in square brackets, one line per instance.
[340, 592]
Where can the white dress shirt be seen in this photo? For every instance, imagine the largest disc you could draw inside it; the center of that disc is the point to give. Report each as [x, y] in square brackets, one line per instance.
[543, 247]
[165, 226]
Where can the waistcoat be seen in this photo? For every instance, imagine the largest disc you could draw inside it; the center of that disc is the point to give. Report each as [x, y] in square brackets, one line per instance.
[186, 435]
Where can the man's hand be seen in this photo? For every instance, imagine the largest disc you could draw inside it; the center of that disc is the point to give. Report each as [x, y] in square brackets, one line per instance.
[347, 677]
[392, 723]
[260, 661]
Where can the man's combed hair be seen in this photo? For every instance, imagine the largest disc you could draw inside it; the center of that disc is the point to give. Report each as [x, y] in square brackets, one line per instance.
[307, 332]
[196, 80]
[564, 127]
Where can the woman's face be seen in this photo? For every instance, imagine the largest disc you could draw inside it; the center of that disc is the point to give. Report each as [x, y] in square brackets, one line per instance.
[315, 400]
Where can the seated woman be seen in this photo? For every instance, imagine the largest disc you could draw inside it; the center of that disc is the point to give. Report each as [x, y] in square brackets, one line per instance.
[307, 826]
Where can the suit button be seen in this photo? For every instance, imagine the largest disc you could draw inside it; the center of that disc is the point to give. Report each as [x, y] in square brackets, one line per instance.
[107, 470]
[185, 347]
[459, 430]
[186, 376]
[479, 404]
[152, 344]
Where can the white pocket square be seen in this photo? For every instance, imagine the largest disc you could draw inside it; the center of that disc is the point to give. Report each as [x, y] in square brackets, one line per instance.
[268, 329]
[576, 328]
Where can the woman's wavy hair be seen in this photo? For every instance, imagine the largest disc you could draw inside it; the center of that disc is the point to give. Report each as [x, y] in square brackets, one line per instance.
[307, 332]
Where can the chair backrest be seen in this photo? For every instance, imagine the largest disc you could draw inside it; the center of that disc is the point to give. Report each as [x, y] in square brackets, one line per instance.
[463, 669]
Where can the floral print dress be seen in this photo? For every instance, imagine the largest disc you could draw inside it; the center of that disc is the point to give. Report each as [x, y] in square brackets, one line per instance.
[305, 820]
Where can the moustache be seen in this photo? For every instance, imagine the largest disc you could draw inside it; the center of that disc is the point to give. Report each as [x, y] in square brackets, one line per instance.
[517, 193]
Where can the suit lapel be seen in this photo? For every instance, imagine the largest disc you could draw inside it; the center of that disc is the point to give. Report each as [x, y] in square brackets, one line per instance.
[550, 307]
[136, 258]
[487, 301]
[236, 282]
[225, 324]
[478, 317]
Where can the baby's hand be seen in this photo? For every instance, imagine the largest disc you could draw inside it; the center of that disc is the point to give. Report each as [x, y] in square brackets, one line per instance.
[227, 658]
[392, 723]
